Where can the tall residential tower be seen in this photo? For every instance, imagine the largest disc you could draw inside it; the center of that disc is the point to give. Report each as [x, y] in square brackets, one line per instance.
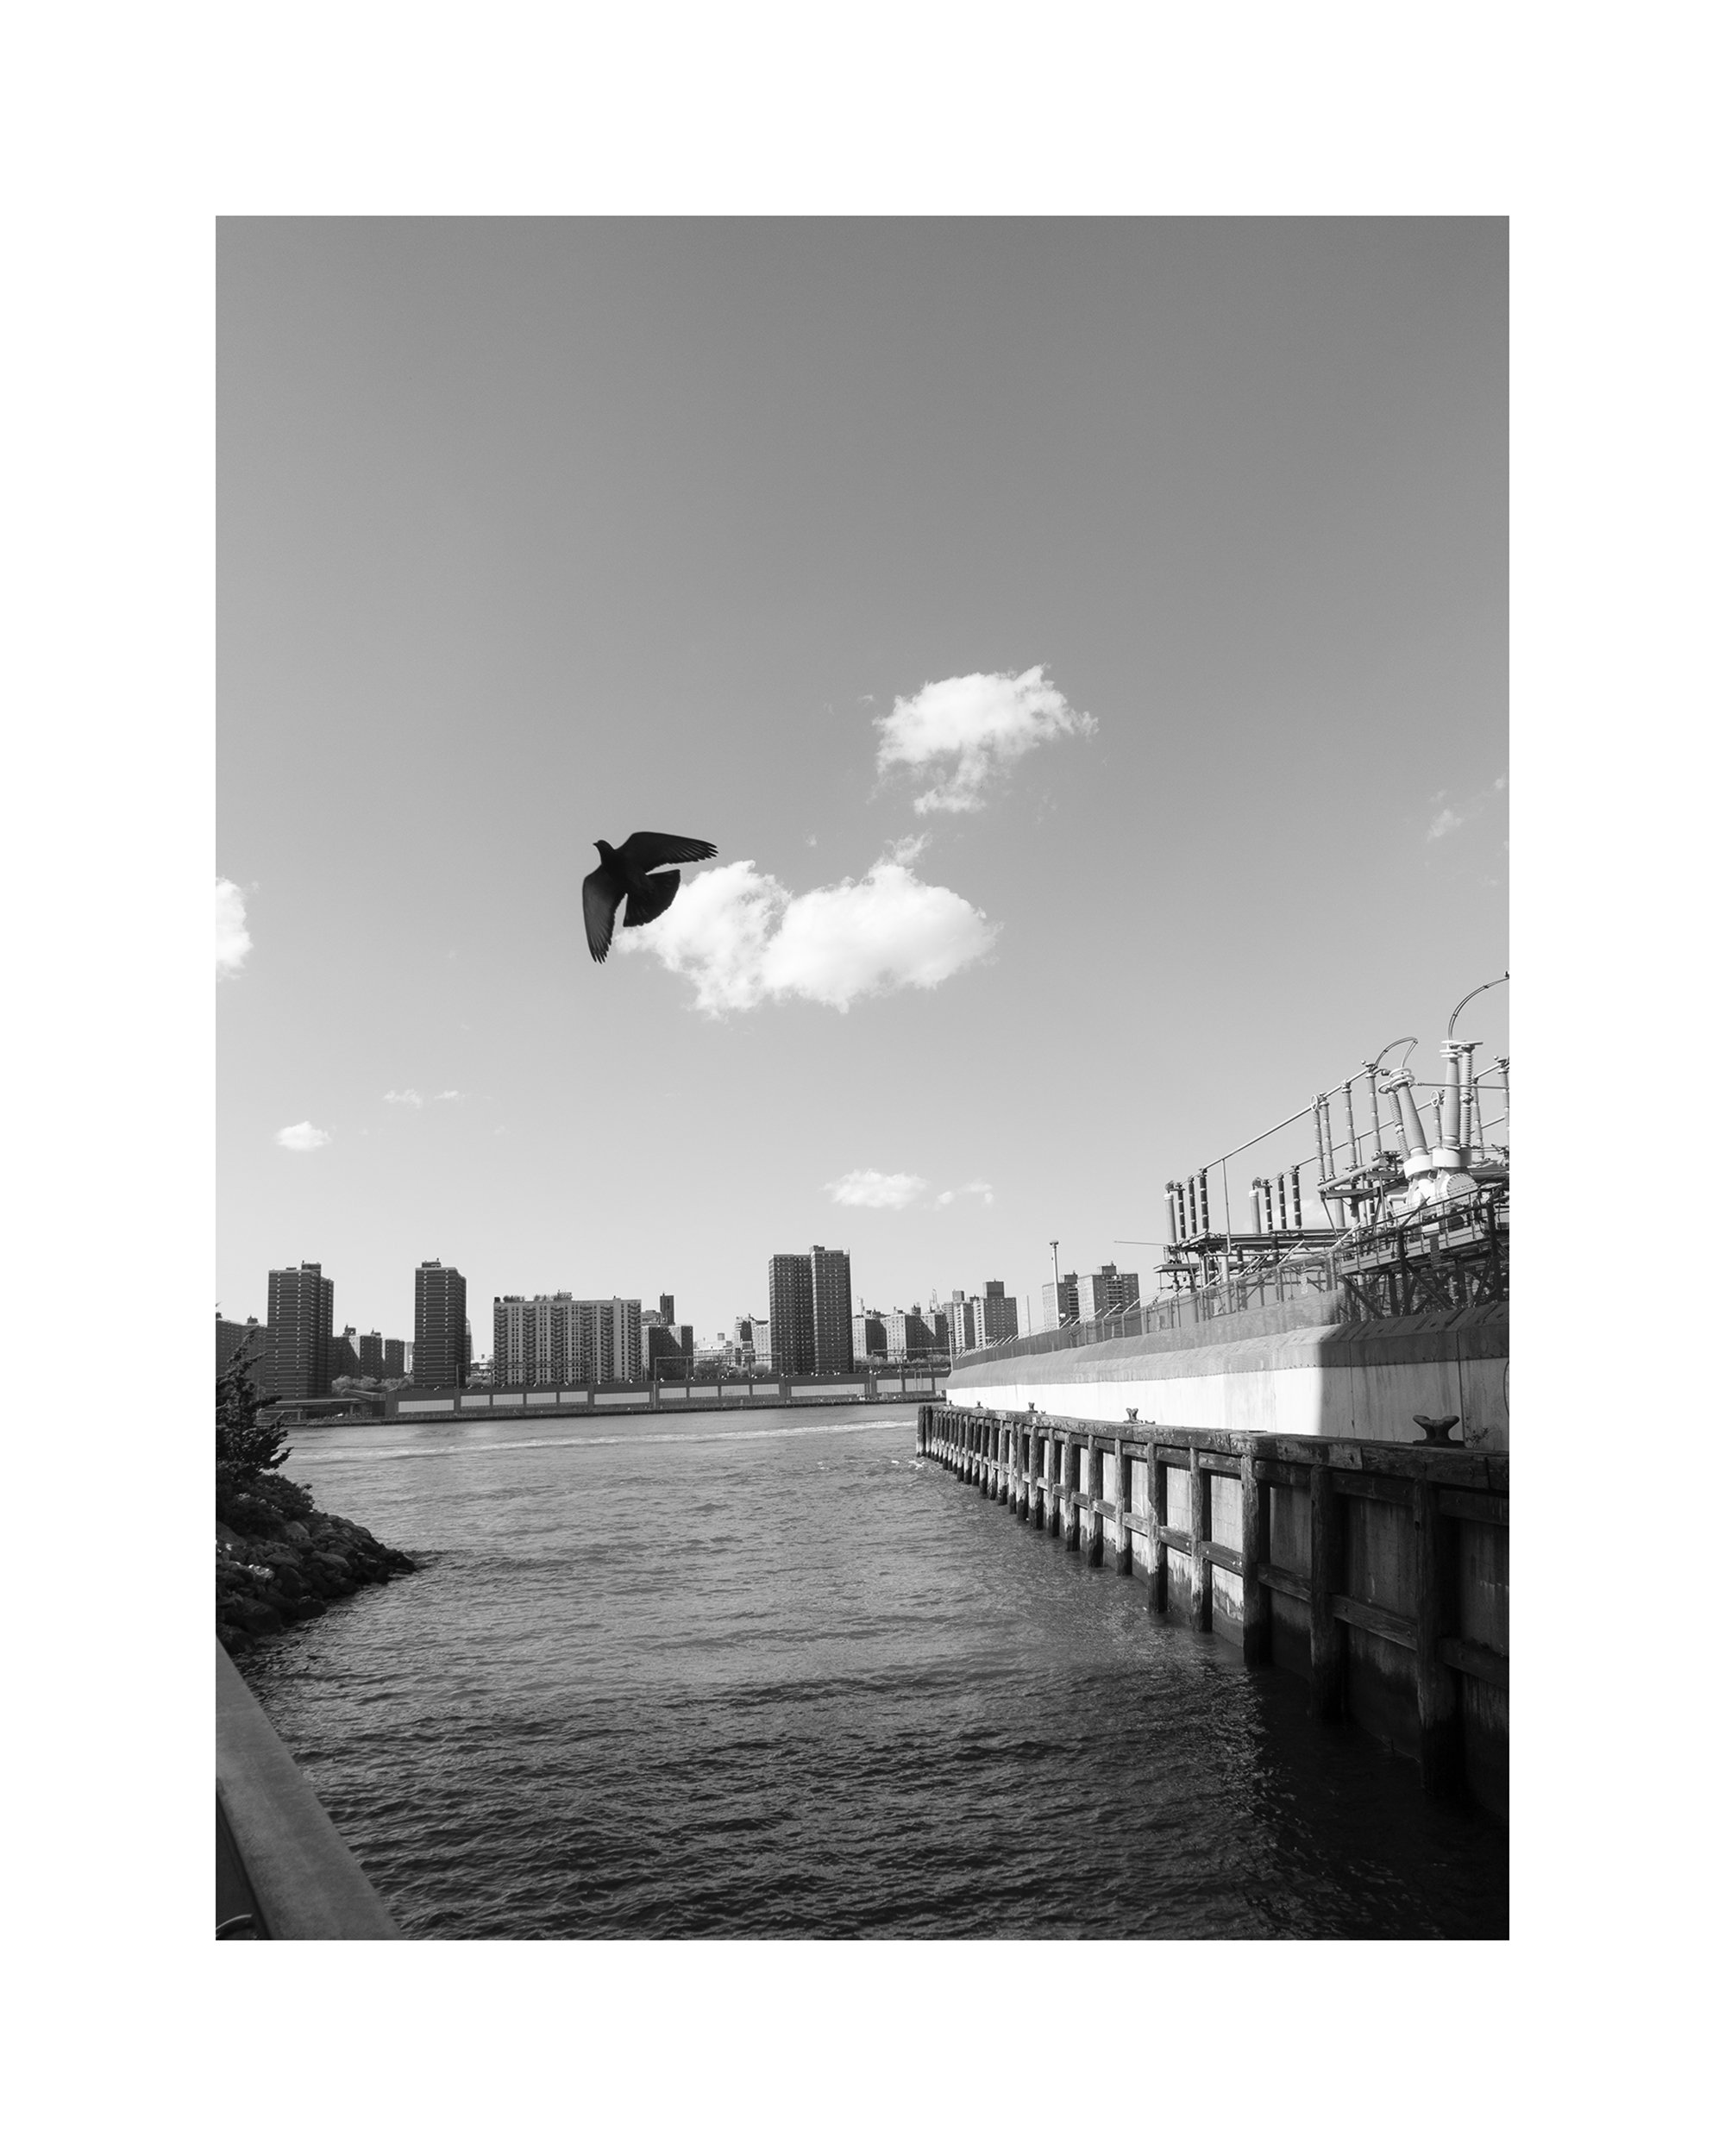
[440, 1324]
[301, 1316]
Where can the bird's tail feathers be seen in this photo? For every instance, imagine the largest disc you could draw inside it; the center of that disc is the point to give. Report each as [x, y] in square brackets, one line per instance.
[663, 886]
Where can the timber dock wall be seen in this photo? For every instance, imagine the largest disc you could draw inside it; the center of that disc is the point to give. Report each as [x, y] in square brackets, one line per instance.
[1379, 1573]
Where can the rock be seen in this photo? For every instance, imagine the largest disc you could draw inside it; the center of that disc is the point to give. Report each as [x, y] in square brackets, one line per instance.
[254, 1616]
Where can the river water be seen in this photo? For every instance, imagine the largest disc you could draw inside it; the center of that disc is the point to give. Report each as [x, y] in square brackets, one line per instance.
[764, 1673]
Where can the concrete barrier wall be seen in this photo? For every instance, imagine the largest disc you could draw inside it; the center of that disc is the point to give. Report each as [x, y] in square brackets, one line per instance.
[287, 1862]
[1361, 1382]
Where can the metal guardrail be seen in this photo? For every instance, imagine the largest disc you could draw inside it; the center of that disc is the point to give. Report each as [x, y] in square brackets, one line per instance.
[1170, 1313]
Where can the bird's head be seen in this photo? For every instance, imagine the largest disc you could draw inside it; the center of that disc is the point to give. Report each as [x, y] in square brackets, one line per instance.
[606, 853]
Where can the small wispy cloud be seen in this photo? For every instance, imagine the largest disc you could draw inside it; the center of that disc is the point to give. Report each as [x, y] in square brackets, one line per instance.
[410, 1096]
[984, 1191]
[233, 939]
[970, 729]
[301, 1138]
[868, 1187]
[450, 1094]
[1450, 815]
[743, 938]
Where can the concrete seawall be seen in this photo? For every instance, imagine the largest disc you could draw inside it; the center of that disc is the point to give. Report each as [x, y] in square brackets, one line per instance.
[1378, 1573]
[282, 1871]
[1297, 1368]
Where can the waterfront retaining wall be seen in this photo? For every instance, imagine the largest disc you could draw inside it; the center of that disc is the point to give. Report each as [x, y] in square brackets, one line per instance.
[1359, 1382]
[500, 1402]
[1379, 1574]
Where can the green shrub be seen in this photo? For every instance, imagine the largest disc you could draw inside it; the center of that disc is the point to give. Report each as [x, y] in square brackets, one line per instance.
[250, 1496]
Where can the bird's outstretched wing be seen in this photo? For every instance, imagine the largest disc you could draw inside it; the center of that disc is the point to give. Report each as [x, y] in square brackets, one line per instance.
[643, 850]
[664, 889]
[601, 895]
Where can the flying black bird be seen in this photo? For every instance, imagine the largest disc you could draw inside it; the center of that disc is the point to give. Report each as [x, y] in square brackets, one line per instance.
[626, 872]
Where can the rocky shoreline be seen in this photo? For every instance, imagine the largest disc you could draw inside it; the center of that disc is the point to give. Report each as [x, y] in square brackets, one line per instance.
[292, 1569]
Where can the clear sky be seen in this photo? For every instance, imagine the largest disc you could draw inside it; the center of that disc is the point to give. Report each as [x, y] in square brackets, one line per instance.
[1086, 644]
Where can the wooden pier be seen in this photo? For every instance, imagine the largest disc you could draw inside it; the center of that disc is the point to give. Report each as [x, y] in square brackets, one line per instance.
[1380, 1573]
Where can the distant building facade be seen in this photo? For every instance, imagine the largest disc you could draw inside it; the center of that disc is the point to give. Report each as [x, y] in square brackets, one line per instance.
[867, 1336]
[1059, 1302]
[302, 1317]
[344, 1355]
[562, 1340]
[754, 1342]
[909, 1335]
[231, 1337]
[442, 1344]
[1000, 1313]
[1105, 1294]
[662, 1342]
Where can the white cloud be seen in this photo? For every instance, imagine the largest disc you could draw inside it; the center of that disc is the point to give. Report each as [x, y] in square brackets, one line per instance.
[233, 940]
[1449, 818]
[743, 939]
[868, 1187]
[407, 1098]
[451, 1095]
[984, 1191]
[972, 729]
[301, 1138]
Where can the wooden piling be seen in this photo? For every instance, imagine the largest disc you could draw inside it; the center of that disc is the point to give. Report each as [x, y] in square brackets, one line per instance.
[1024, 1472]
[1254, 1552]
[1075, 1454]
[1123, 1541]
[1155, 1505]
[1198, 1615]
[1327, 1578]
[1094, 1457]
[1438, 1693]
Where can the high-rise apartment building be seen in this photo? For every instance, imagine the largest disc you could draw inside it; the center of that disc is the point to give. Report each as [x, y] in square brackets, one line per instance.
[442, 1350]
[668, 1311]
[344, 1355]
[1105, 1294]
[371, 1355]
[1000, 1313]
[809, 1299]
[301, 1316]
[562, 1340]
[790, 1312]
[830, 1270]
[867, 1335]
[394, 1358]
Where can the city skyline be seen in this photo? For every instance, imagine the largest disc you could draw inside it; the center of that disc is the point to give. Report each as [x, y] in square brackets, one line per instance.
[833, 542]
